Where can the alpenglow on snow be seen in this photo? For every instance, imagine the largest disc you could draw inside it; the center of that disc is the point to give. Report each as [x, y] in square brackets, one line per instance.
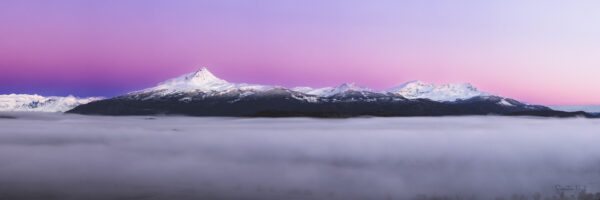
[203, 80]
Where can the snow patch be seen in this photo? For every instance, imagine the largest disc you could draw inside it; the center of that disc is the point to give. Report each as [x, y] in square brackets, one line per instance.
[505, 103]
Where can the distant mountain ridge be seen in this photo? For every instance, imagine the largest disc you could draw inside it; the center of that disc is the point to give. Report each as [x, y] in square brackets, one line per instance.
[574, 108]
[37, 103]
[447, 92]
[203, 94]
[203, 80]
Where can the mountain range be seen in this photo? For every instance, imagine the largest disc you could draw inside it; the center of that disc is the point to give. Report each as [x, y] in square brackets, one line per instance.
[203, 94]
[37, 103]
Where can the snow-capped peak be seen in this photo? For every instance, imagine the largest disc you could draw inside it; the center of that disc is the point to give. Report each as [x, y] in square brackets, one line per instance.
[413, 87]
[446, 92]
[203, 75]
[202, 80]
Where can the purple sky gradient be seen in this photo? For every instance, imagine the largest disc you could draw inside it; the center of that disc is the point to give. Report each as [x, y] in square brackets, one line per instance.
[545, 52]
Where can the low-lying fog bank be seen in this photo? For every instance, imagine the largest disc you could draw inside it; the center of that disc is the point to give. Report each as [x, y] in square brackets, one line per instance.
[56, 156]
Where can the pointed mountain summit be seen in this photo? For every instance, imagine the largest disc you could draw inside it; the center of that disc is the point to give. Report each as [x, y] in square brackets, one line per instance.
[202, 75]
[202, 80]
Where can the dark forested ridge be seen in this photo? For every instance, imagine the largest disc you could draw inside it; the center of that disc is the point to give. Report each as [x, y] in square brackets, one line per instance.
[287, 103]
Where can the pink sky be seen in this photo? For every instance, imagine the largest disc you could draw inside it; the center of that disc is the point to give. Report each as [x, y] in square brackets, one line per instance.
[545, 52]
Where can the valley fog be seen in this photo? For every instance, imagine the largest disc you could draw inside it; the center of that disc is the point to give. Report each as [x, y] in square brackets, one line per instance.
[66, 156]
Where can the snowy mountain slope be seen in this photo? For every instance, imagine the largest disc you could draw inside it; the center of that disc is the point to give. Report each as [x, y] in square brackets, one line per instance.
[37, 103]
[330, 91]
[410, 90]
[302, 89]
[203, 94]
[446, 92]
[200, 81]
[204, 83]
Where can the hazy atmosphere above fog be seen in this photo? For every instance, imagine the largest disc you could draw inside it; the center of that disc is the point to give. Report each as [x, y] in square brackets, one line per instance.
[543, 52]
